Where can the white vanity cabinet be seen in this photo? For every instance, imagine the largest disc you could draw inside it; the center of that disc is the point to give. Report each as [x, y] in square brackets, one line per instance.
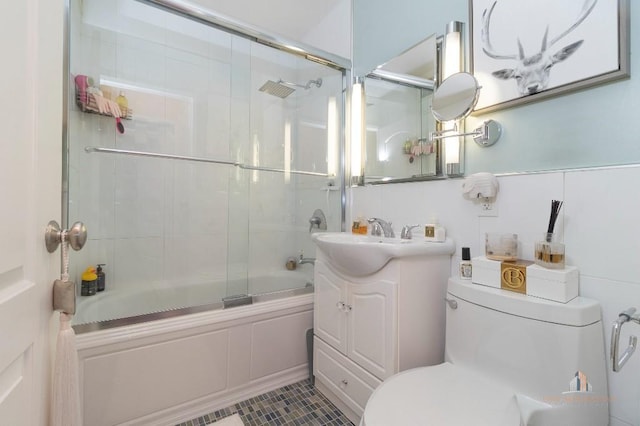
[357, 319]
[367, 328]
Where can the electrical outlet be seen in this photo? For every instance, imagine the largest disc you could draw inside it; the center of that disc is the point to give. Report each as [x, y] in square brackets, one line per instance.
[488, 209]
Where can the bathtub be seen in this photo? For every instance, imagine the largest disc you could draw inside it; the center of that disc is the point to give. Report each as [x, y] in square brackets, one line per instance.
[183, 364]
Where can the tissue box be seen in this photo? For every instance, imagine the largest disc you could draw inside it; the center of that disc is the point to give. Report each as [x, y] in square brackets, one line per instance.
[485, 271]
[559, 285]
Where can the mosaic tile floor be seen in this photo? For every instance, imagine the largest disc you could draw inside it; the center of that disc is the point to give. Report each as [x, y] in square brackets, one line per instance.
[292, 405]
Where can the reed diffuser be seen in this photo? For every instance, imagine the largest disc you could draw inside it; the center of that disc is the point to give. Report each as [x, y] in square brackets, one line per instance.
[550, 251]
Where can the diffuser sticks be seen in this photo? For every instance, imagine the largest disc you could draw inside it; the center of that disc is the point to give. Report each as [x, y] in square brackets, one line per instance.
[555, 210]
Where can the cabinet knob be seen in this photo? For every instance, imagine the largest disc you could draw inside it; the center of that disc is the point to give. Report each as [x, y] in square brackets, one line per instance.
[343, 307]
[344, 382]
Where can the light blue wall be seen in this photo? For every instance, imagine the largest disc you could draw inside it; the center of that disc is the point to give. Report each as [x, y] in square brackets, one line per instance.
[594, 127]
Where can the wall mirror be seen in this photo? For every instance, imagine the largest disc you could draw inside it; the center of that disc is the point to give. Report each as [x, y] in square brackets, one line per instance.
[398, 118]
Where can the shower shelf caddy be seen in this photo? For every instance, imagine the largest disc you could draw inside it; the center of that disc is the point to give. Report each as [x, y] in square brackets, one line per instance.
[91, 107]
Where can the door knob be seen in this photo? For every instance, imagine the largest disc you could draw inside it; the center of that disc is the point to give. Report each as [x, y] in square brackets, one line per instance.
[76, 236]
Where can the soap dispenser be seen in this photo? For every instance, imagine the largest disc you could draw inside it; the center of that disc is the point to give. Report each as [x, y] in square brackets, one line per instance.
[102, 278]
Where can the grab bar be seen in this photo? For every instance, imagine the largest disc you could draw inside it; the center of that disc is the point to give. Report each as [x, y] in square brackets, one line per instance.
[92, 149]
[623, 317]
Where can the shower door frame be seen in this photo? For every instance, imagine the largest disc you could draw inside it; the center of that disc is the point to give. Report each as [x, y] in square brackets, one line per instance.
[210, 18]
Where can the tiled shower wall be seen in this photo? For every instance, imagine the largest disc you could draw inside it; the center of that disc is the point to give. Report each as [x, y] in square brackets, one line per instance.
[194, 92]
[598, 221]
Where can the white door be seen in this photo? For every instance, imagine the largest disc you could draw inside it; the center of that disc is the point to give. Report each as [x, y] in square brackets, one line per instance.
[372, 325]
[30, 166]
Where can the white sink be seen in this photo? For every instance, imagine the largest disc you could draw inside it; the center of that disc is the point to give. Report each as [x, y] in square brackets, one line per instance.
[359, 255]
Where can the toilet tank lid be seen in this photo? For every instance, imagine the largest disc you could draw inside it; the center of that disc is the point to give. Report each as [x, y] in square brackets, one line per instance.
[578, 312]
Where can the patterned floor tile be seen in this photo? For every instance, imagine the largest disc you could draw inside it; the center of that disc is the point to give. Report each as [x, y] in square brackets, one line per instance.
[292, 405]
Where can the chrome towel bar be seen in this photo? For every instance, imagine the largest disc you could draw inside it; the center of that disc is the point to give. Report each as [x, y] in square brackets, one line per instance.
[625, 316]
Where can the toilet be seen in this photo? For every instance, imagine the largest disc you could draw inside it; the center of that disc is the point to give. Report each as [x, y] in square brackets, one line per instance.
[510, 359]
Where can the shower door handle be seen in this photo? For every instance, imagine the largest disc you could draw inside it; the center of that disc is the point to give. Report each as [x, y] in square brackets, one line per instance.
[76, 236]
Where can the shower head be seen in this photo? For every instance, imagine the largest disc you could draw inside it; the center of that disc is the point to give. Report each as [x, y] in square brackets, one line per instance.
[276, 89]
[282, 88]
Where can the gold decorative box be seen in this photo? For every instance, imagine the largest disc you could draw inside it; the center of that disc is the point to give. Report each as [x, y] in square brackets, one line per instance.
[513, 275]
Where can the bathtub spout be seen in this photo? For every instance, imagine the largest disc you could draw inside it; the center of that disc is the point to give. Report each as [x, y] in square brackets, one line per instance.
[303, 260]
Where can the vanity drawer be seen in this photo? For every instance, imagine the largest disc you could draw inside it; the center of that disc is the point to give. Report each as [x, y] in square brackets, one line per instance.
[350, 382]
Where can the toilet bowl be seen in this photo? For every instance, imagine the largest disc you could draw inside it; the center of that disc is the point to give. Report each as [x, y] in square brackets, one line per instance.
[511, 359]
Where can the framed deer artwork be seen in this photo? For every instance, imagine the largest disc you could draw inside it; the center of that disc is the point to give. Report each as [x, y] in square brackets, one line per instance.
[528, 50]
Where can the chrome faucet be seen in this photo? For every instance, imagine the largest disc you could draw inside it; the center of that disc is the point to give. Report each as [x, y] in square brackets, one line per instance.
[381, 227]
[406, 231]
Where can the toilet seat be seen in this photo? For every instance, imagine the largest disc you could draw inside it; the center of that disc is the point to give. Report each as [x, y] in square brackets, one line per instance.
[441, 395]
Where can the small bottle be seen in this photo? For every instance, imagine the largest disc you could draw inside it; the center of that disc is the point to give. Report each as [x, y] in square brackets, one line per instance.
[465, 264]
[89, 282]
[359, 226]
[102, 277]
[435, 232]
[123, 103]
[362, 227]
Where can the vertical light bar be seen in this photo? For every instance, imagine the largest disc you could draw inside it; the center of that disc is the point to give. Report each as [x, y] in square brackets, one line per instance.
[452, 64]
[287, 152]
[332, 138]
[452, 49]
[357, 131]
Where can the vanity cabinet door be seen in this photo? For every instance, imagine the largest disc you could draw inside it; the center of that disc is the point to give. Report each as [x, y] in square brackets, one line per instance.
[329, 314]
[372, 326]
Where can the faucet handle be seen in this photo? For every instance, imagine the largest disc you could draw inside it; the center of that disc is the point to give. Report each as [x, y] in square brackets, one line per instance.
[405, 234]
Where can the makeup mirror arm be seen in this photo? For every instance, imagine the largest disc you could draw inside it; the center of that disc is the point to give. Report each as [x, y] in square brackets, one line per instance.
[485, 135]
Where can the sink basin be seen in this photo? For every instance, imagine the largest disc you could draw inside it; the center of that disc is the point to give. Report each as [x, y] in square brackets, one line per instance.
[359, 255]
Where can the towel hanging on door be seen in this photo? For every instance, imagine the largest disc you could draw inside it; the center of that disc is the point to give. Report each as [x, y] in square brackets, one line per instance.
[65, 405]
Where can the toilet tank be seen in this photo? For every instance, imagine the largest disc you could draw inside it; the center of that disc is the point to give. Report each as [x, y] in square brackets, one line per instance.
[533, 345]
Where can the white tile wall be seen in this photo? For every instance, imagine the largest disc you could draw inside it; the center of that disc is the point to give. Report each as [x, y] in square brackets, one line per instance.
[599, 222]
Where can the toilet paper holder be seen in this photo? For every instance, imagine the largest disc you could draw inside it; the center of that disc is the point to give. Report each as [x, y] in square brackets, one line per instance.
[618, 362]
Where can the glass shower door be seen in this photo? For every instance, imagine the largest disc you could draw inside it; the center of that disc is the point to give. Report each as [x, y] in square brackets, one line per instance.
[194, 193]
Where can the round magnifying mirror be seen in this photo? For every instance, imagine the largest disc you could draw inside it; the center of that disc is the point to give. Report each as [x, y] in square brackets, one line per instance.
[455, 98]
